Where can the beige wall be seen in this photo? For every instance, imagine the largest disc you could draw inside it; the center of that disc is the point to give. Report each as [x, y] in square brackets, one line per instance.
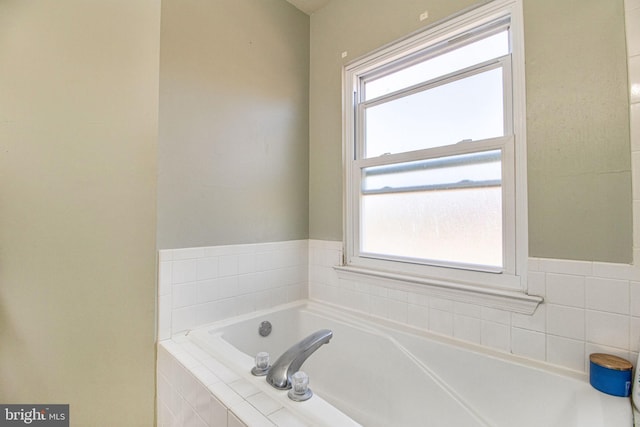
[579, 154]
[233, 140]
[577, 117]
[78, 130]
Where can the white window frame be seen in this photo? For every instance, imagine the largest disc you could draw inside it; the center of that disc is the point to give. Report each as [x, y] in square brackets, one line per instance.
[506, 288]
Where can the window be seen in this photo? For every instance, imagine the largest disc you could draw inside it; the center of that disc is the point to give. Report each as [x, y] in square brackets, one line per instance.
[435, 167]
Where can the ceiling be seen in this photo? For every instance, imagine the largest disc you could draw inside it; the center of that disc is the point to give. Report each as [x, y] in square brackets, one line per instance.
[309, 6]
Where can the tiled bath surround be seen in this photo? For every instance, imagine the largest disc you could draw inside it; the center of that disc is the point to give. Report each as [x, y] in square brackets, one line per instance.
[202, 285]
[194, 390]
[589, 307]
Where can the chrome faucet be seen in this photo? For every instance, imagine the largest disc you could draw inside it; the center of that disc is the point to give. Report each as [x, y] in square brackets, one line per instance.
[290, 361]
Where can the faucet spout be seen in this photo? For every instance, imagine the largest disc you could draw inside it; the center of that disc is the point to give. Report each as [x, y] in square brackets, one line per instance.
[290, 361]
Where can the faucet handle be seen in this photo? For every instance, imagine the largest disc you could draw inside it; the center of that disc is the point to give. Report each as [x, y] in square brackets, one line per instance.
[262, 364]
[300, 390]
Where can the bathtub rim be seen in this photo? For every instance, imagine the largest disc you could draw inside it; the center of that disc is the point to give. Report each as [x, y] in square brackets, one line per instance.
[315, 412]
[348, 315]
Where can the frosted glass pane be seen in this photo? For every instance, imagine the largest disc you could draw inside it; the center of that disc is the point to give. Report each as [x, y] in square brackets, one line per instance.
[483, 50]
[471, 108]
[462, 226]
[443, 210]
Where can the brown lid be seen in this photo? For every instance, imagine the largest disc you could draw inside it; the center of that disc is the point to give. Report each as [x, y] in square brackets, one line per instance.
[610, 361]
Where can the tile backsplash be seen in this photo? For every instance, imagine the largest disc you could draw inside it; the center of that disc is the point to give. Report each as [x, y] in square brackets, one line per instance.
[201, 285]
[589, 307]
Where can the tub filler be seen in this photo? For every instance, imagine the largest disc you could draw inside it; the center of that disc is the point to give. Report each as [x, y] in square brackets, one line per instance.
[378, 374]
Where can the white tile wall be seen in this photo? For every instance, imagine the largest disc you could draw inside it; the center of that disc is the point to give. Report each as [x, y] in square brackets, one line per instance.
[589, 306]
[194, 390]
[633, 31]
[634, 78]
[201, 285]
[632, 15]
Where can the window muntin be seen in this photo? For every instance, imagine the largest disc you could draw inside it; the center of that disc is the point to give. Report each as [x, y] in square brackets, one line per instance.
[493, 20]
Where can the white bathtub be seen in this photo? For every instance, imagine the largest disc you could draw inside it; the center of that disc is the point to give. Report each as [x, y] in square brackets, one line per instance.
[381, 375]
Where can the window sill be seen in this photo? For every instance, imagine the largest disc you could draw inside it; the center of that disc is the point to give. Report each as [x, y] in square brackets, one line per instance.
[516, 302]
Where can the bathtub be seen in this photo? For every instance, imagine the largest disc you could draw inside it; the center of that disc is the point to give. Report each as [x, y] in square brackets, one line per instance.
[378, 374]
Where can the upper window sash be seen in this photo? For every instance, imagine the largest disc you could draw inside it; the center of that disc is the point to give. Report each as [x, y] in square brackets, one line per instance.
[456, 42]
[437, 81]
[503, 63]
